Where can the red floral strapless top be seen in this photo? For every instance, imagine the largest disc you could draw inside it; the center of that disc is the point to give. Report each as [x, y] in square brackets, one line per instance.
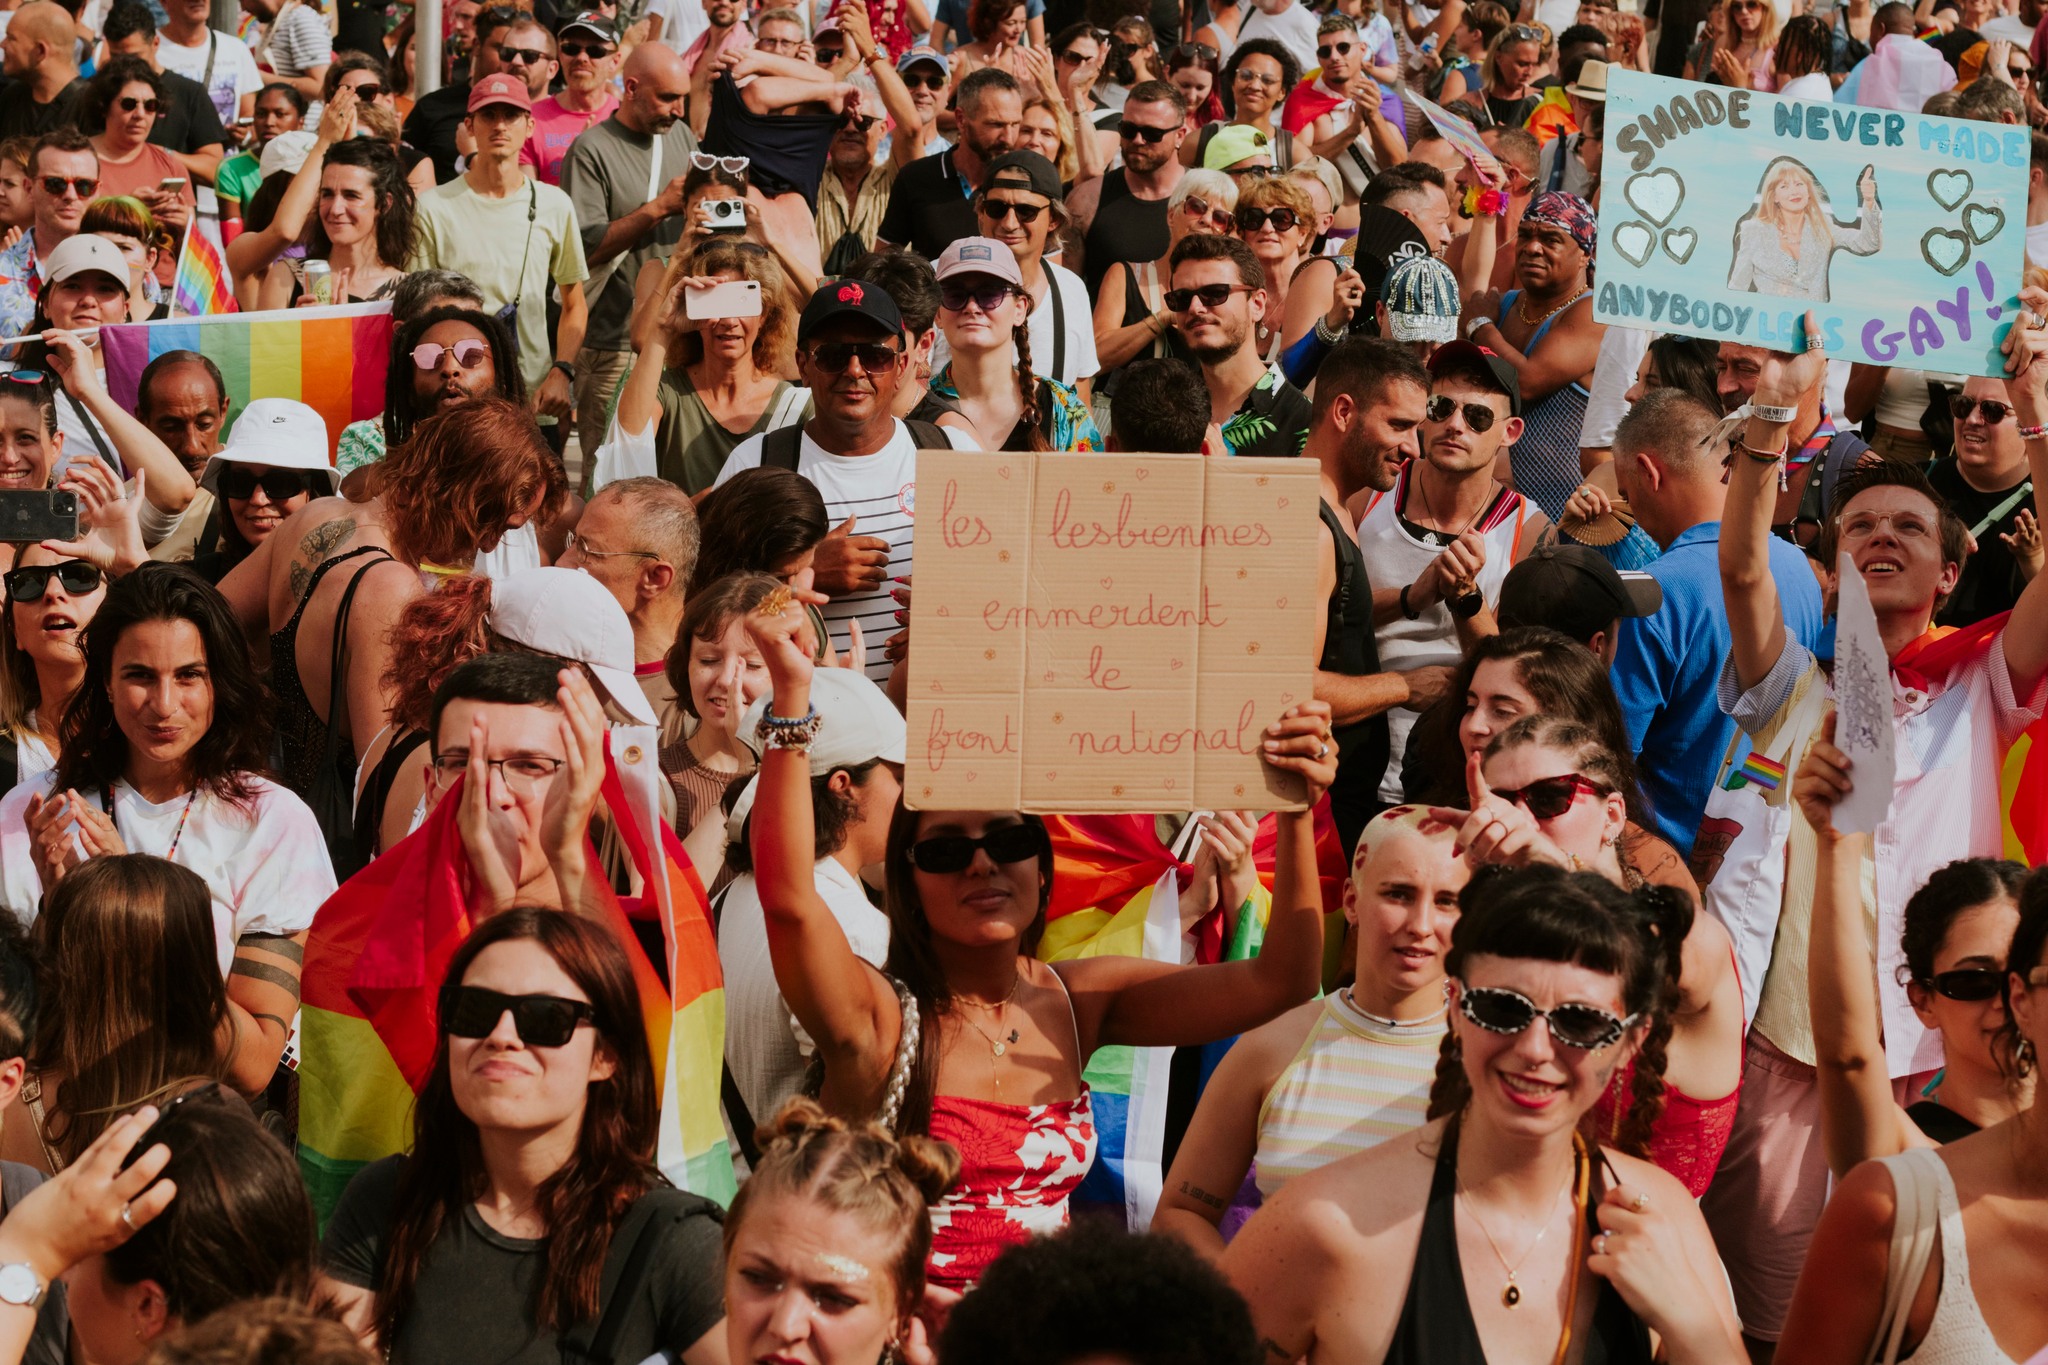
[1019, 1164]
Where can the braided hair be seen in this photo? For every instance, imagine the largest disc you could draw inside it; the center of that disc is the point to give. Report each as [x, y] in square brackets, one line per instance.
[1027, 390]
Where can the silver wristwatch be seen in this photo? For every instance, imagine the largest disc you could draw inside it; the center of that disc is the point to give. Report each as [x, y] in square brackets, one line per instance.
[1472, 327]
[21, 1286]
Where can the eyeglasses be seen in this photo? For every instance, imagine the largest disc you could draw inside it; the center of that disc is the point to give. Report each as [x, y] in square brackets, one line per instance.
[531, 56]
[30, 584]
[1584, 1027]
[128, 104]
[731, 165]
[926, 81]
[1960, 407]
[1550, 797]
[367, 91]
[1251, 219]
[591, 50]
[1968, 984]
[1905, 525]
[1326, 51]
[1201, 208]
[779, 45]
[540, 1020]
[995, 210]
[1144, 134]
[79, 185]
[585, 548]
[279, 485]
[1211, 295]
[833, 357]
[1245, 74]
[469, 353]
[522, 772]
[954, 298]
[955, 852]
[1478, 416]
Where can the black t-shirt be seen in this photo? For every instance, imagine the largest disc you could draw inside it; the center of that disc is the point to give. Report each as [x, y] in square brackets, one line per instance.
[21, 116]
[187, 121]
[928, 209]
[432, 123]
[1953, 45]
[475, 1293]
[1991, 581]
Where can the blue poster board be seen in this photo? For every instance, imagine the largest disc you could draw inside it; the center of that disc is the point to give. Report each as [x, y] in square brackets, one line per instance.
[1728, 214]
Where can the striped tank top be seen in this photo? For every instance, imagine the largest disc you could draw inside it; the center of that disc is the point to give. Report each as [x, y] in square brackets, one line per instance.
[1353, 1084]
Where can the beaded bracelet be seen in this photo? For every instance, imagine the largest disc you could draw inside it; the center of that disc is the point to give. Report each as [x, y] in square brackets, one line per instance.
[785, 732]
[2033, 433]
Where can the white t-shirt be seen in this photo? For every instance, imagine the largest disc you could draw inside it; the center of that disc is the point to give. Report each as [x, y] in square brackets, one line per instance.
[881, 491]
[1077, 359]
[234, 75]
[1294, 28]
[1814, 85]
[1621, 353]
[764, 1045]
[2037, 244]
[2011, 28]
[266, 866]
[681, 21]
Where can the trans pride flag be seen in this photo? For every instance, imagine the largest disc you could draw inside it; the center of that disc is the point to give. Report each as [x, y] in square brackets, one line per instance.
[332, 359]
[381, 945]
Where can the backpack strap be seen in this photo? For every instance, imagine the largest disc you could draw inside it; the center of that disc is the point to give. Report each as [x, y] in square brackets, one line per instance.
[780, 447]
[1844, 450]
[927, 435]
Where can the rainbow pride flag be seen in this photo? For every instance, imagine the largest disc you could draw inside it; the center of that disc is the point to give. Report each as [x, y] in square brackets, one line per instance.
[380, 946]
[201, 287]
[332, 359]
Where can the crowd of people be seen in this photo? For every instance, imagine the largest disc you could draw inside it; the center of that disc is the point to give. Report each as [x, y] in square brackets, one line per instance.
[1568, 1020]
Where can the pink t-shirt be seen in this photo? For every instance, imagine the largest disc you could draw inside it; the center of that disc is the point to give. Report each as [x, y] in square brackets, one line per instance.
[554, 128]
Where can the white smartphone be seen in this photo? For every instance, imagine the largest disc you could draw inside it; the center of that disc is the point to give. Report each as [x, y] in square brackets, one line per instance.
[727, 299]
[170, 185]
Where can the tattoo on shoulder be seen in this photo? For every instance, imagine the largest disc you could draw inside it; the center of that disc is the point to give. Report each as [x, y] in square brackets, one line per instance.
[1202, 1196]
[301, 579]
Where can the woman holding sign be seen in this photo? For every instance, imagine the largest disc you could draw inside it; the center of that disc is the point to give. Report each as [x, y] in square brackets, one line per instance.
[967, 1037]
[1784, 245]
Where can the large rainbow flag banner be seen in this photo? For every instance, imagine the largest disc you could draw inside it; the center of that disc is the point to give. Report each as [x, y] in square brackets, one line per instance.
[381, 945]
[332, 359]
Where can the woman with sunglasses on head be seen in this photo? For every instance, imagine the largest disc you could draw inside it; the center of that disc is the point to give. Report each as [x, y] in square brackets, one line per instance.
[1507, 77]
[124, 99]
[1195, 70]
[1741, 53]
[363, 230]
[531, 1172]
[966, 1037]
[1341, 1074]
[1977, 1198]
[1131, 319]
[985, 317]
[1551, 793]
[1256, 80]
[1952, 957]
[1459, 78]
[710, 181]
[164, 747]
[1498, 1229]
[1276, 219]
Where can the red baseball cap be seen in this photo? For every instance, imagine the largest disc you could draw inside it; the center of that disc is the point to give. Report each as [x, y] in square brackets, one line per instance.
[500, 88]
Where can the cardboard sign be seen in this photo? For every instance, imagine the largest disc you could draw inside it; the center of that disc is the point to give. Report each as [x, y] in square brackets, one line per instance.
[1102, 633]
[1727, 214]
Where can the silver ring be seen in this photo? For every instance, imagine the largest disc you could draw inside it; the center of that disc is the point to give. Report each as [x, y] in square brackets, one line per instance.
[1816, 343]
[2036, 320]
[1322, 752]
[1600, 1244]
[128, 1216]
[1640, 1202]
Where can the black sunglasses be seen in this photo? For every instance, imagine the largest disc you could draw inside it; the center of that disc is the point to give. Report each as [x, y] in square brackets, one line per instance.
[541, 1020]
[532, 56]
[1144, 134]
[1478, 416]
[1960, 407]
[1585, 1027]
[79, 185]
[29, 585]
[1251, 219]
[367, 91]
[279, 485]
[1327, 50]
[989, 297]
[1549, 797]
[1190, 52]
[834, 356]
[585, 49]
[1969, 984]
[998, 209]
[1211, 295]
[926, 81]
[128, 104]
[955, 852]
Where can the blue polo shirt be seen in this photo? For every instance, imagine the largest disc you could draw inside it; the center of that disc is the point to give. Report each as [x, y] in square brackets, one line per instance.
[1668, 664]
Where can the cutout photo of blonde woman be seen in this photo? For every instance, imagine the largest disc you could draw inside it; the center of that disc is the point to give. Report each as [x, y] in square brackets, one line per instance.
[1784, 244]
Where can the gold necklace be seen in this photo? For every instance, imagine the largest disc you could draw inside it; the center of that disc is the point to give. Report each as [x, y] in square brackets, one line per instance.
[997, 1043]
[1511, 1293]
[1522, 308]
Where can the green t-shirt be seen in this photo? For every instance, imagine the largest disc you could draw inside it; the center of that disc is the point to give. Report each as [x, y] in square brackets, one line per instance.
[238, 178]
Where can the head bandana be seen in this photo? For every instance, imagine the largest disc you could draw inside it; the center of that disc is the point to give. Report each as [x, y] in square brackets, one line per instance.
[1567, 213]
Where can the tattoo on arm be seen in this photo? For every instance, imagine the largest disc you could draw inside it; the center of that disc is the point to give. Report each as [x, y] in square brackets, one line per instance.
[301, 579]
[283, 945]
[265, 972]
[1202, 1196]
[283, 1024]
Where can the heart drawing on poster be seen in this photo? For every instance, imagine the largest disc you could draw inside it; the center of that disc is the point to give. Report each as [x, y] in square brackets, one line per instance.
[1635, 242]
[1945, 249]
[1679, 243]
[1655, 194]
[1950, 188]
[1983, 223]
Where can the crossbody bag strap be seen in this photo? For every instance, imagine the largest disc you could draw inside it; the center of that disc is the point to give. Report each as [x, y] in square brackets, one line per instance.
[92, 429]
[1059, 327]
[639, 1232]
[212, 51]
[1150, 290]
[526, 252]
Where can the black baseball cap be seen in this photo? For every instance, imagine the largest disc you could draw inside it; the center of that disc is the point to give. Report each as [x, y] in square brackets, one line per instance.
[1573, 589]
[590, 21]
[1470, 355]
[849, 298]
[1028, 169]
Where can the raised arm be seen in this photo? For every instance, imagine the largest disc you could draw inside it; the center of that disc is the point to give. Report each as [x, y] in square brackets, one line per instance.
[2026, 346]
[253, 251]
[168, 487]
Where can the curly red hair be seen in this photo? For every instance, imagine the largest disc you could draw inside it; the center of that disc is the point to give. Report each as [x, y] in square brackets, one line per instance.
[435, 634]
[466, 476]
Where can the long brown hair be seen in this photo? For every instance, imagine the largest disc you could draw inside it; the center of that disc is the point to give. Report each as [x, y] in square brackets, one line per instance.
[453, 487]
[133, 1036]
[582, 1202]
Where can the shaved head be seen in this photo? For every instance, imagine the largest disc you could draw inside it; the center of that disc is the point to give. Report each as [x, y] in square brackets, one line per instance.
[656, 85]
[44, 22]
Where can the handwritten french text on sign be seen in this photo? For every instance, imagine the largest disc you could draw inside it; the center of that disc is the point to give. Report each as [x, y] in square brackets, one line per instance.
[1107, 632]
[1728, 214]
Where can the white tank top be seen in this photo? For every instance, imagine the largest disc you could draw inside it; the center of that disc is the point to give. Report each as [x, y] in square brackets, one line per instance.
[1394, 555]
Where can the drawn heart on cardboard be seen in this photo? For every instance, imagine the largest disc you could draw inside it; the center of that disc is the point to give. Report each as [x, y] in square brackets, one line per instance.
[1173, 664]
[1052, 777]
[1143, 472]
[1002, 471]
[1106, 583]
[943, 611]
[1679, 243]
[1945, 249]
[1655, 194]
[1977, 214]
[1635, 243]
[1950, 188]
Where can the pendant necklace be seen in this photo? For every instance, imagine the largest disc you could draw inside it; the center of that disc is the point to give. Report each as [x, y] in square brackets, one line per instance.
[1511, 1294]
[999, 1042]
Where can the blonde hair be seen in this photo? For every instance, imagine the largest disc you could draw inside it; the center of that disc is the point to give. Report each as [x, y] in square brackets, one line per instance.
[1068, 163]
[1277, 191]
[1766, 33]
[1489, 66]
[775, 343]
[887, 1183]
[1816, 214]
[1214, 187]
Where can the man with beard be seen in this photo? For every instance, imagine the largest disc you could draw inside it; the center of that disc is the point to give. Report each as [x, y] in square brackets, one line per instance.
[587, 50]
[854, 192]
[1821, 452]
[1441, 543]
[1218, 295]
[437, 117]
[929, 207]
[1121, 213]
[1369, 403]
[183, 398]
[849, 353]
[625, 179]
[726, 33]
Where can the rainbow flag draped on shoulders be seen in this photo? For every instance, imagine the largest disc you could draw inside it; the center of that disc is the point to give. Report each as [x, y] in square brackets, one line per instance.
[380, 946]
[331, 359]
